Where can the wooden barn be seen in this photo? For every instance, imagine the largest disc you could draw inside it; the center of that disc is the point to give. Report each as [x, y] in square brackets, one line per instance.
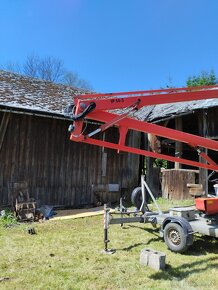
[195, 117]
[35, 149]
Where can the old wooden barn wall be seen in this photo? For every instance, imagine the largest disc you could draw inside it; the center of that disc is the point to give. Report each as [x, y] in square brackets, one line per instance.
[37, 150]
[208, 127]
[201, 123]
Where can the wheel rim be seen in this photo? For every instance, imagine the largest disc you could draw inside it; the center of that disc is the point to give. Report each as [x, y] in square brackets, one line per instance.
[174, 237]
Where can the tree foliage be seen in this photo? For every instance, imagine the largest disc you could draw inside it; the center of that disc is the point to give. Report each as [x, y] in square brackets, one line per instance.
[72, 79]
[203, 79]
[48, 68]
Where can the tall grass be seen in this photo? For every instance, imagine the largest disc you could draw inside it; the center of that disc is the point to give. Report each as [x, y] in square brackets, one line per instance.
[7, 218]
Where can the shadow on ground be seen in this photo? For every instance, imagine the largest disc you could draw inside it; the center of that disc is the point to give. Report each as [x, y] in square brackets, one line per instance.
[184, 270]
[202, 244]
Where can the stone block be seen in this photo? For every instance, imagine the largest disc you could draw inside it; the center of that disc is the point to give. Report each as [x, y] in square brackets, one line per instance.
[153, 259]
[144, 256]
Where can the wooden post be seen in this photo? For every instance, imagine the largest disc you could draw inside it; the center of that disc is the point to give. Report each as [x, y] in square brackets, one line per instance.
[203, 173]
[178, 145]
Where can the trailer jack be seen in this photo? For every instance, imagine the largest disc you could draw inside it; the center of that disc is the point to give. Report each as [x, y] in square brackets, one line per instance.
[126, 216]
[106, 226]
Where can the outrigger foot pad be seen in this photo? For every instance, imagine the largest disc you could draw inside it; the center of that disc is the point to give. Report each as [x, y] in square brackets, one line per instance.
[108, 251]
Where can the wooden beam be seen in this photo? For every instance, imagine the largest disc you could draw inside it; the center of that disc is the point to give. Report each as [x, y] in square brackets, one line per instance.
[178, 145]
[204, 130]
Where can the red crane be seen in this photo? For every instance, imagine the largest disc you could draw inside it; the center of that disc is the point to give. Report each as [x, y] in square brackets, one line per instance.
[115, 109]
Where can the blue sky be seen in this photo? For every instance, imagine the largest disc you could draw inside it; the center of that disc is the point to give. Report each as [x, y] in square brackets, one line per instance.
[116, 45]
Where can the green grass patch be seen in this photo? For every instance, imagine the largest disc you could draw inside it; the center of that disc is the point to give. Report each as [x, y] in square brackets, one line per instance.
[7, 218]
[67, 255]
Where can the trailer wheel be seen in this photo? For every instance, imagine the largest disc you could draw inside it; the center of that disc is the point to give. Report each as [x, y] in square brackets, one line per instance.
[136, 198]
[175, 238]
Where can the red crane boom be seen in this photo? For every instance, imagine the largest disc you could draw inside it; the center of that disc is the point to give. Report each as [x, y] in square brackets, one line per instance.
[106, 108]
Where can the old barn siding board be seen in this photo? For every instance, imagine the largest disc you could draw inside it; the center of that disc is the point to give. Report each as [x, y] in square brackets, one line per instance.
[174, 183]
[15, 149]
[22, 136]
[3, 127]
[6, 164]
[58, 169]
[3, 199]
[29, 144]
[69, 170]
[38, 150]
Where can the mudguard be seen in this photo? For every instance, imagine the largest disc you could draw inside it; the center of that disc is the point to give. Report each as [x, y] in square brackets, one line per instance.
[183, 223]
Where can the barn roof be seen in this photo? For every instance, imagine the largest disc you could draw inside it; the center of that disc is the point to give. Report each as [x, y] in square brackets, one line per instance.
[24, 93]
[166, 111]
[21, 93]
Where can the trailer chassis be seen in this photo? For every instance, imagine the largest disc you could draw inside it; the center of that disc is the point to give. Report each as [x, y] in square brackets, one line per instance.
[176, 226]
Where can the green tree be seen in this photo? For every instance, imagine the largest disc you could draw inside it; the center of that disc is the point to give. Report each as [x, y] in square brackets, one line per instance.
[203, 79]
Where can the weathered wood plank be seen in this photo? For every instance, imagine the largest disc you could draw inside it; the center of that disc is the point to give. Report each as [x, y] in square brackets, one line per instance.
[174, 183]
[37, 150]
[3, 127]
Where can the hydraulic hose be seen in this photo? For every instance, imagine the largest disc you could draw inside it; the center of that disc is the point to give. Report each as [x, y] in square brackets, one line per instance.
[82, 115]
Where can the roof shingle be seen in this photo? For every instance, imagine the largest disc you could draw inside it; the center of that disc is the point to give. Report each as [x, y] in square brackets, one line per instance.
[21, 92]
[18, 91]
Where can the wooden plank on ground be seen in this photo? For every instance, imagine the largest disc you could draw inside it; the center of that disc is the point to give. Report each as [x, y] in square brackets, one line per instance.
[77, 213]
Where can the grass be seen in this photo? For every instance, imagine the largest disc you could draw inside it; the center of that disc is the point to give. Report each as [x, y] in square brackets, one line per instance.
[67, 255]
[7, 218]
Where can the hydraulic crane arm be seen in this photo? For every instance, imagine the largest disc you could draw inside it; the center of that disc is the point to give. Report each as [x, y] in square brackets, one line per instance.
[101, 108]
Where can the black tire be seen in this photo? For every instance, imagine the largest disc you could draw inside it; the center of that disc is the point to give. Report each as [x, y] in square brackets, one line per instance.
[136, 198]
[175, 238]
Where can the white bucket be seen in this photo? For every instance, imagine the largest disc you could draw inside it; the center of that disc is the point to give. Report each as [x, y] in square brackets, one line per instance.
[216, 189]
